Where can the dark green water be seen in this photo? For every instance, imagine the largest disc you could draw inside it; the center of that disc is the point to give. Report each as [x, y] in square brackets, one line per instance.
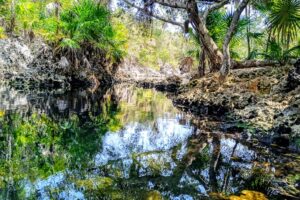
[121, 143]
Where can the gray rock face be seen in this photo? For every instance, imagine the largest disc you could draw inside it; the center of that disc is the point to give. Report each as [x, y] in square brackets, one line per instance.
[255, 97]
[14, 56]
[29, 65]
[64, 63]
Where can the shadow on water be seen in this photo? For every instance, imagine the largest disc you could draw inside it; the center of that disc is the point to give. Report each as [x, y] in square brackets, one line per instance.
[125, 143]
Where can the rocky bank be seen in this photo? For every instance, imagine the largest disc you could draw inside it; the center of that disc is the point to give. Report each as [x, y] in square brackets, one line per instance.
[35, 65]
[260, 102]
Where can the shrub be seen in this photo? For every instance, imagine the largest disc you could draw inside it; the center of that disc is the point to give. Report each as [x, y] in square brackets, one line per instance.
[88, 24]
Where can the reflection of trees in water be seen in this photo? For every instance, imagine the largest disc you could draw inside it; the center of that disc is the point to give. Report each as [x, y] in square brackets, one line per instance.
[82, 103]
[142, 105]
[43, 137]
[203, 162]
[52, 132]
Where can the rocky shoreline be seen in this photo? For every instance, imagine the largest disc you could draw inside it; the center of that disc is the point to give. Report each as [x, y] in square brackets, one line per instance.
[259, 103]
[166, 79]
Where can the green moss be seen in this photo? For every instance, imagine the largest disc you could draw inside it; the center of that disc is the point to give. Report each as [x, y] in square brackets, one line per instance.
[99, 183]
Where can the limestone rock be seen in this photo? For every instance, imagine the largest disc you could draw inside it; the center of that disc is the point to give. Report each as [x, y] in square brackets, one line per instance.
[256, 97]
[167, 78]
[64, 63]
[14, 56]
[293, 80]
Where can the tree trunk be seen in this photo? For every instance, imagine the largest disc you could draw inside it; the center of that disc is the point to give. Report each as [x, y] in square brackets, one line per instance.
[248, 13]
[57, 6]
[253, 63]
[210, 48]
[13, 16]
[202, 64]
[225, 69]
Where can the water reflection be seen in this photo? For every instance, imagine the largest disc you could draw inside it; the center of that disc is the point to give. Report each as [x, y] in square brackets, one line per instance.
[121, 143]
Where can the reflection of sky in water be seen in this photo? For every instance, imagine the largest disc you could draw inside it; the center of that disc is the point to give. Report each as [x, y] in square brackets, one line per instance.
[137, 138]
[152, 149]
[150, 144]
[241, 151]
[42, 188]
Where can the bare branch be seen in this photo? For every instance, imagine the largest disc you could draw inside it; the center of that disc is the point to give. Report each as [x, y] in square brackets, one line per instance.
[155, 16]
[171, 4]
[214, 7]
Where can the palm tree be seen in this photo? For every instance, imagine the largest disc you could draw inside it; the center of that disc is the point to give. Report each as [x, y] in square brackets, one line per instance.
[284, 20]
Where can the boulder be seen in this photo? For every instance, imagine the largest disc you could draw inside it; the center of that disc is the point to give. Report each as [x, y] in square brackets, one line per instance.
[64, 63]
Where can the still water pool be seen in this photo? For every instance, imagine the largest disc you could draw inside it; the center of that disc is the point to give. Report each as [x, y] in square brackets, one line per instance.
[121, 143]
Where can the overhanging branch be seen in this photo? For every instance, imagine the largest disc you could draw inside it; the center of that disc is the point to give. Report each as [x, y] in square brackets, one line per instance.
[214, 7]
[155, 16]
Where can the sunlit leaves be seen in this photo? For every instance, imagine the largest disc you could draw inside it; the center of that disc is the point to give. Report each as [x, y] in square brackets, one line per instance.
[285, 19]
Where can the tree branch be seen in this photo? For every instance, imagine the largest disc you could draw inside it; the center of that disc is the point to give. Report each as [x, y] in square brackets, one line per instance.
[153, 15]
[214, 7]
[234, 22]
[168, 3]
[232, 28]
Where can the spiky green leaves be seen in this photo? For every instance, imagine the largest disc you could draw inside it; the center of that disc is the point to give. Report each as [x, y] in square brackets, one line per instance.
[285, 19]
[88, 22]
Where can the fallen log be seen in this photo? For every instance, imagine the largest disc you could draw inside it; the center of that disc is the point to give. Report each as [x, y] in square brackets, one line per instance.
[254, 63]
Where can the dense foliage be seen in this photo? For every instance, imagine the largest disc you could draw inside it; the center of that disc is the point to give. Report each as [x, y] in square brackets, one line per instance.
[266, 30]
[66, 24]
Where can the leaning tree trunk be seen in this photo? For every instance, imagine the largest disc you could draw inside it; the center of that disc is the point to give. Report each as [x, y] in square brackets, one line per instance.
[212, 52]
[202, 60]
[232, 28]
[210, 48]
